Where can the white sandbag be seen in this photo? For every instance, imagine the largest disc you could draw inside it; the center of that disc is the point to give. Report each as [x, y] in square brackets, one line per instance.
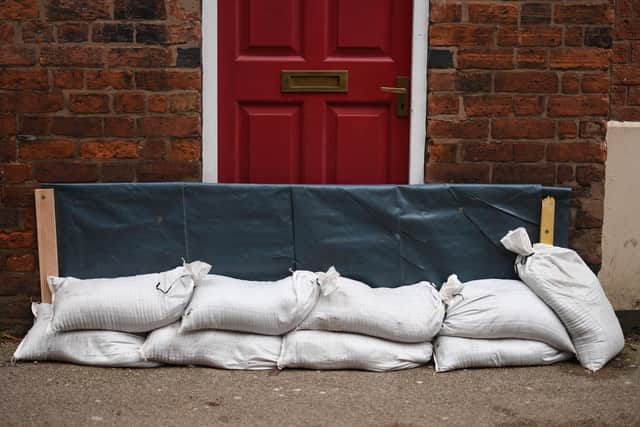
[97, 348]
[410, 313]
[268, 308]
[218, 349]
[496, 308]
[130, 304]
[450, 353]
[338, 350]
[563, 281]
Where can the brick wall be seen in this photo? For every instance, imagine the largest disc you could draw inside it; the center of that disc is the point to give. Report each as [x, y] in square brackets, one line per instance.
[90, 90]
[625, 91]
[519, 93]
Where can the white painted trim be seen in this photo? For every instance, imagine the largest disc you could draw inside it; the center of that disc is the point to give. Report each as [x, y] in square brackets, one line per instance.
[418, 128]
[210, 90]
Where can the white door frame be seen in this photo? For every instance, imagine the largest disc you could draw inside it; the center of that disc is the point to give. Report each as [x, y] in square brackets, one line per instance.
[419, 55]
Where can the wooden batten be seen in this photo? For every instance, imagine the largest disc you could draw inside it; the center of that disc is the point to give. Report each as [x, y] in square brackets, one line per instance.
[547, 220]
[47, 239]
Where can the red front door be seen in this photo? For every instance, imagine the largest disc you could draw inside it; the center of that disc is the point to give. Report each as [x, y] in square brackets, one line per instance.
[353, 136]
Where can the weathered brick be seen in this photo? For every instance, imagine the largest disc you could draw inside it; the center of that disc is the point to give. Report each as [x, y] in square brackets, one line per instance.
[528, 152]
[138, 57]
[442, 81]
[587, 174]
[19, 9]
[188, 57]
[444, 12]
[72, 32]
[21, 263]
[140, 9]
[564, 174]
[532, 58]
[35, 125]
[598, 37]
[621, 52]
[109, 79]
[158, 104]
[163, 80]
[47, 149]
[154, 149]
[584, 105]
[76, 126]
[458, 172]
[567, 129]
[109, 150]
[587, 58]
[124, 127]
[112, 33]
[8, 148]
[535, 13]
[161, 170]
[184, 9]
[573, 36]
[19, 196]
[68, 79]
[440, 58]
[184, 102]
[77, 10]
[627, 74]
[593, 129]
[595, 83]
[7, 32]
[526, 81]
[522, 128]
[590, 214]
[442, 104]
[570, 83]
[185, 149]
[64, 171]
[37, 32]
[579, 152]
[493, 13]
[72, 56]
[17, 240]
[14, 173]
[32, 102]
[17, 55]
[184, 32]
[151, 33]
[14, 79]
[179, 126]
[523, 174]
[117, 172]
[9, 218]
[530, 36]
[458, 129]
[487, 105]
[473, 81]
[442, 153]
[494, 59]
[528, 105]
[8, 124]
[459, 35]
[487, 152]
[129, 102]
[601, 13]
[88, 103]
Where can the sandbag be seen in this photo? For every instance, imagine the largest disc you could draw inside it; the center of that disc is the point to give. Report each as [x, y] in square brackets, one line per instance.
[450, 353]
[97, 348]
[496, 308]
[338, 350]
[218, 349]
[130, 304]
[407, 314]
[268, 308]
[562, 280]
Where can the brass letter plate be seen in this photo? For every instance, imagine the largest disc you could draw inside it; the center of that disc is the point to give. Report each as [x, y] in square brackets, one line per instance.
[305, 81]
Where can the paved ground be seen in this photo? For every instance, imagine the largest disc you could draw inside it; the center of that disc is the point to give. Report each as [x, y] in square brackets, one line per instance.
[564, 394]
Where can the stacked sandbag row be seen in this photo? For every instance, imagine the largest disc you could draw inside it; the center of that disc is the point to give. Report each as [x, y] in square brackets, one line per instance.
[557, 311]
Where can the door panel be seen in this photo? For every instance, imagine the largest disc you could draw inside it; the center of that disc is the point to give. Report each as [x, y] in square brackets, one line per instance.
[268, 136]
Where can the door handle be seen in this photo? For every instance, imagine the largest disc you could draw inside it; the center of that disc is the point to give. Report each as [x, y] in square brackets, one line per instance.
[401, 90]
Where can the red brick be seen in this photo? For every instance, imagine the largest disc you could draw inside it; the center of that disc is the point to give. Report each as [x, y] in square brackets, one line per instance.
[19, 9]
[163, 80]
[473, 81]
[444, 12]
[458, 129]
[443, 104]
[587, 174]
[8, 125]
[72, 56]
[117, 172]
[530, 36]
[630, 114]
[185, 32]
[8, 149]
[523, 174]
[487, 152]
[186, 10]
[37, 32]
[17, 55]
[621, 52]
[532, 58]
[76, 32]
[528, 105]
[579, 152]
[487, 105]
[488, 59]
[154, 149]
[24, 79]
[129, 102]
[109, 79]
[442, 153]
[138, 57]
[458, 172]
[573, 36]
[587, 58]
[567, 129]
[14, 173]
[593, 129]
[62, 171]
[441, 81]
[109, 150]
[618, 95]
[68, 79]
[158, 104]
[19, 196]
[564, 174]
[583, 13]
[628, 74]
[179, 126]
[88, 103]
[184, 102]
[523, 128]
[76, 126]
[160, 170]
[459, 35]
[526, 81]
[124, 127]
[9, 218]
[21, 263]
[185, 149]
[570, 83]
[585, 105]
[78, 10]
[17, 240]
[45, 150]
[32, 102]
[528, 152]
[628, 28]
[590, 213]
[634, 95]
[596, 83]
[493, 13]
[7, 32]
[535, 13]
[36, 125]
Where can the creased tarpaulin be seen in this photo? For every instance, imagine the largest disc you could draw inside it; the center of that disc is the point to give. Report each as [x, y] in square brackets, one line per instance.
[383, 235]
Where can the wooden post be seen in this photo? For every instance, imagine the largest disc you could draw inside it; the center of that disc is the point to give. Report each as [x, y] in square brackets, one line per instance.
[547, 220]
[47, 239]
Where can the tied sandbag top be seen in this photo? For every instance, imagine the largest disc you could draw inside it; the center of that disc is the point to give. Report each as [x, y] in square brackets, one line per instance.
[382, 235]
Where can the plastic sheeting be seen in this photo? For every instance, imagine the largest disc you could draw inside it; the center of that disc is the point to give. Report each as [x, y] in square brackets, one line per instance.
[382, 235]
